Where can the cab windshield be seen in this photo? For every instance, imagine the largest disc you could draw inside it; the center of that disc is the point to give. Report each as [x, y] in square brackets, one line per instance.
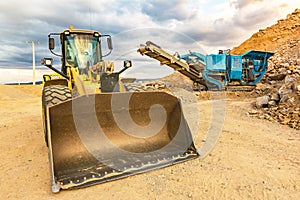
[82, 50]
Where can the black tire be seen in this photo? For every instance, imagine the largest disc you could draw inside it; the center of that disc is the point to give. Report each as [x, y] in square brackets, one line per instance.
[52, 95]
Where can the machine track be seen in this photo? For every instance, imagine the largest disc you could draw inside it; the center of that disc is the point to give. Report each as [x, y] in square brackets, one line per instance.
[240, 88]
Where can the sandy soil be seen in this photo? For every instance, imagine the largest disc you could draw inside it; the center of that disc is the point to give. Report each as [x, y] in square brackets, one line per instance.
[253, 159]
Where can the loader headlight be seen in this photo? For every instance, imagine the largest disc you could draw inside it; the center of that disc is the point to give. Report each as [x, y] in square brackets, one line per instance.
[46, 61]
[127, 63]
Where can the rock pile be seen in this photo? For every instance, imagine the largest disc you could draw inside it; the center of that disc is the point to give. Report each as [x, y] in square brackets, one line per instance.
[283, 104]
[286, 60]
[178, 80]
[279, 91]
[280, 88]
[174, 80]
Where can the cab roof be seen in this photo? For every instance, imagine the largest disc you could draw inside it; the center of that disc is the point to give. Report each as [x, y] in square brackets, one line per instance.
[71, 30]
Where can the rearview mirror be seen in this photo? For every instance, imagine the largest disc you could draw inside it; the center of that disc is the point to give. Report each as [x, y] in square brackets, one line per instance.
[51, 43]
[109, 43]
[127, 64]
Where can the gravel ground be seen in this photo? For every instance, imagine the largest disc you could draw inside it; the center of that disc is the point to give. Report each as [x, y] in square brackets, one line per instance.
[253, 158]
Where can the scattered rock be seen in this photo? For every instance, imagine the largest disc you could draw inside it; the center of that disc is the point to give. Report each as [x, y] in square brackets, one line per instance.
[275, 97]
[288, 98]
[284, 90]
[272, 103]
[252, 112]
[262, 101]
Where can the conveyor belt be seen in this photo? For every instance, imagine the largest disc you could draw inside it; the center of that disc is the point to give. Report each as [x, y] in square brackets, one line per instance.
[154, 51]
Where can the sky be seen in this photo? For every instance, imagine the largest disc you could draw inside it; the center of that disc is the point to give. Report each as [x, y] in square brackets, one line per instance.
[176, 25]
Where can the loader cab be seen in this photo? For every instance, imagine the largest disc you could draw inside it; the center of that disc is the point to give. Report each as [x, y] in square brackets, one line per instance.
[83, 66]
[82, 49]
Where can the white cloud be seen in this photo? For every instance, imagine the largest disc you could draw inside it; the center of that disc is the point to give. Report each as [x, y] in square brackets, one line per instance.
[179, 25]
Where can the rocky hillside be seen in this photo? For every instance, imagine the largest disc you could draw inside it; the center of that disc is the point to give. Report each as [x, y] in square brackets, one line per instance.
[270, 38]
[279, 90]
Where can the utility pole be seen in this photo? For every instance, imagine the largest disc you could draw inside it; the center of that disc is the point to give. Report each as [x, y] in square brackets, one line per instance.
[33, 59]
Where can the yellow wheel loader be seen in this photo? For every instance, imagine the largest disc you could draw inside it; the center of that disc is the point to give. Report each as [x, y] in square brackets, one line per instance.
[95, 130]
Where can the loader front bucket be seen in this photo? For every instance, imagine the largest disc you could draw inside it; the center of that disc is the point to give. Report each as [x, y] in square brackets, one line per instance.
[103, 137]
